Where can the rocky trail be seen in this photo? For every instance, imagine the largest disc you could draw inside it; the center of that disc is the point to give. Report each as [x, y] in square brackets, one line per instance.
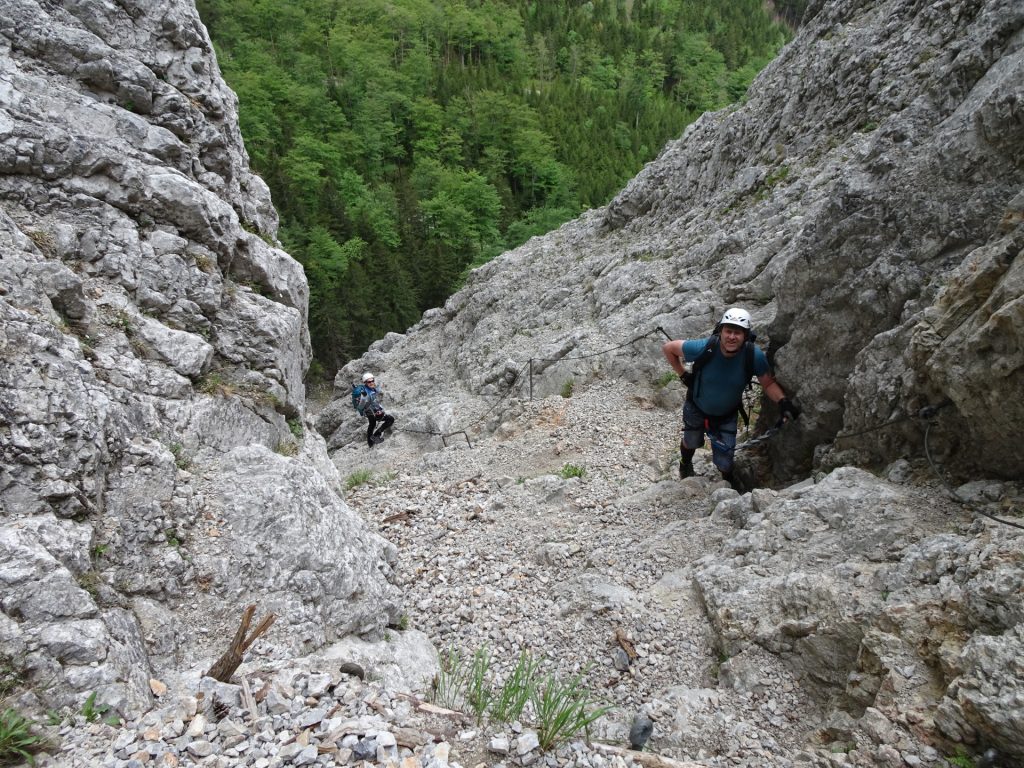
[565, 534]
[500, 551]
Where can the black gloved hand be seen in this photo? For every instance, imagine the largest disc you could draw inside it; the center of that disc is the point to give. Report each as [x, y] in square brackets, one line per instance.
[787, 410]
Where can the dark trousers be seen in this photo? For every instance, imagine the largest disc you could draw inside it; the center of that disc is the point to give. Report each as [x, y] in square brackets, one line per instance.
[721, 430]
[385, 419]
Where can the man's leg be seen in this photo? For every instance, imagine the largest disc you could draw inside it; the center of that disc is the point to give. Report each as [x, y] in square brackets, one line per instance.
[685, 460]
[723, 447]
[369, 430]
[693, 438]
[386, 421]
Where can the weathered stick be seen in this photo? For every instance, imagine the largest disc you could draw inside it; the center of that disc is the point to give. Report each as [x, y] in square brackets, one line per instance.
[226, 665]
[646, 759]
[627, 644]
[248, 700]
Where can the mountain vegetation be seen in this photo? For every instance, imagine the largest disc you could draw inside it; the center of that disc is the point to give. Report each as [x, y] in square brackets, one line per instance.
[405, 142]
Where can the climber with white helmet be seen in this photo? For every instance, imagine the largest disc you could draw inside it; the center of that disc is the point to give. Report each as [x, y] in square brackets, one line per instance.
[722, 366]
[367, 399]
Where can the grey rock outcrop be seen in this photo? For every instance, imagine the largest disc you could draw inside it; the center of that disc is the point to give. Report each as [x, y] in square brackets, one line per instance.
[864, 202]
[868, 593]
[157, 471]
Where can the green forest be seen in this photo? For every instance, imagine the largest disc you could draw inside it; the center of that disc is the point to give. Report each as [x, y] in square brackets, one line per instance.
[408, 141]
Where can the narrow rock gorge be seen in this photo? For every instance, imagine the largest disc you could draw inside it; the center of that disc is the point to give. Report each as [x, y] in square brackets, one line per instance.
[160, 469]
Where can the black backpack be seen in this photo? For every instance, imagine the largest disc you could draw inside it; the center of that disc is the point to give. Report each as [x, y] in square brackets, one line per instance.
[692, 377]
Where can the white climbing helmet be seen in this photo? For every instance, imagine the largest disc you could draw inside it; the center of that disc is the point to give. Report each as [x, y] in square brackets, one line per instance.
[737, 316]
[367, 377]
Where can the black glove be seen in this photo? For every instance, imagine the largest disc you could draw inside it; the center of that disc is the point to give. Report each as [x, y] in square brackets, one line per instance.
[787, 410]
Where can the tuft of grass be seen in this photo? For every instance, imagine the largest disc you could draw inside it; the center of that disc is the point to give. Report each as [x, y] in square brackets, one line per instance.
[295, 425]
[771, 180]
[44, 241]
[665, 379]
[181, 459]
[567, 388]
[357, 478]
[90, 581]
[961, 759]
[287, 448]
[123, 321]
[507, 704]
[451, 679]
[10, 676]
[563, 710]
[572, 470]
[560, 710]
[216, 384]
[478, 684]
[255, 230]
[270, 400]
[139, 347]
[92, 711]
[17, 742]
[203, 262]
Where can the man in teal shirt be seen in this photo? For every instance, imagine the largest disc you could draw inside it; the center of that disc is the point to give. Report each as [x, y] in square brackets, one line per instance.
[714, 396]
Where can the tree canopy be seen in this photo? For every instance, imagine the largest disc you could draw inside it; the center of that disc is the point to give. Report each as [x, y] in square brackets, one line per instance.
[406, 141]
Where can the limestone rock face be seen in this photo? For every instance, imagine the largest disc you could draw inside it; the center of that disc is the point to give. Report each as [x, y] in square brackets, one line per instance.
[156, 473]
[866, 592]
[864, 202]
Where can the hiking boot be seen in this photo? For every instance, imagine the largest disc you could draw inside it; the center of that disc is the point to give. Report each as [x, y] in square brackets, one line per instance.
[686, 469]
[734, 482]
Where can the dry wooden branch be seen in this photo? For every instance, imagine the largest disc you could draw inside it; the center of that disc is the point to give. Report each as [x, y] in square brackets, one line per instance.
[249, 700]
[397, 517]
[626, 643]
[226, 665]
[646, 759]
[433, 709]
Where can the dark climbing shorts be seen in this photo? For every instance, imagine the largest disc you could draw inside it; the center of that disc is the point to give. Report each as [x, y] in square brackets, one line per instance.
[721, 430]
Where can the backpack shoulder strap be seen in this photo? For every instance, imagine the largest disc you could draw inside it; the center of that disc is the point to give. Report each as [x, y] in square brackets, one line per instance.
[706, 354]
[693, 376]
